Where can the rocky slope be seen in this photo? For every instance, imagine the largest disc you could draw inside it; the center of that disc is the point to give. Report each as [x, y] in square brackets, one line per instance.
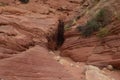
[90, 49]
[26, 37]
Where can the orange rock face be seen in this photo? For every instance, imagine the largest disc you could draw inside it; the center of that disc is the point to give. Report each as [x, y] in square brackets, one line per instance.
[93, 50]
[90, 50]
[22, 27]
[24, 33]
[33, 64]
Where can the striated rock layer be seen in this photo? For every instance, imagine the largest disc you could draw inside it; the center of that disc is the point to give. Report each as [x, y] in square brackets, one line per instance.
[93, 50]
[33, 64]
[22, 27]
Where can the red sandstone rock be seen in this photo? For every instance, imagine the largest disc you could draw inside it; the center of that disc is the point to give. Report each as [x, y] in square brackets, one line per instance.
[23, 26]
[33, 64]
[80, 54]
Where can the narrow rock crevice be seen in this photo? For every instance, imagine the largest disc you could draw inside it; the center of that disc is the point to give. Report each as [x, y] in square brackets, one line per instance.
[60, 34]
[56, 39]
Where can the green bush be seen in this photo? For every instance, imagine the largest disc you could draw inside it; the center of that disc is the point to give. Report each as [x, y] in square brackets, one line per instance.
[103, 17]
[89, 28]
[93, 24]
[99, 21]
[103, 32]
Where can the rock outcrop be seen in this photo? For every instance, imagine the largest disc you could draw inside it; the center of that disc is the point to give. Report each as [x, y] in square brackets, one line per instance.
[22, 27]
[28, 32]
[93, 72]
[93, 50]
[33, 64]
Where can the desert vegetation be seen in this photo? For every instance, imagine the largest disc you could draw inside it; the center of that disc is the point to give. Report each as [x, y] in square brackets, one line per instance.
[103, 32]
[99, 21]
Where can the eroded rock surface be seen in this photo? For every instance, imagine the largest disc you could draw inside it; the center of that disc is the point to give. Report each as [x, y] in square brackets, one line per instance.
[93, 50]
[23, 26]
[33, 64]
[93, 72]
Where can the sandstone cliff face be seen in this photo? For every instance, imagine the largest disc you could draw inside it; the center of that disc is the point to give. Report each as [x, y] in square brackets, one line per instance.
[22, 27]
[24, 32]
[19, 32]
[33, 64]
[91, 50]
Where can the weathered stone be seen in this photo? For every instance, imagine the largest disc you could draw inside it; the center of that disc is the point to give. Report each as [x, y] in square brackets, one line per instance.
[96, 74]
[80, 54]
[33, 64]
[110, 67]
